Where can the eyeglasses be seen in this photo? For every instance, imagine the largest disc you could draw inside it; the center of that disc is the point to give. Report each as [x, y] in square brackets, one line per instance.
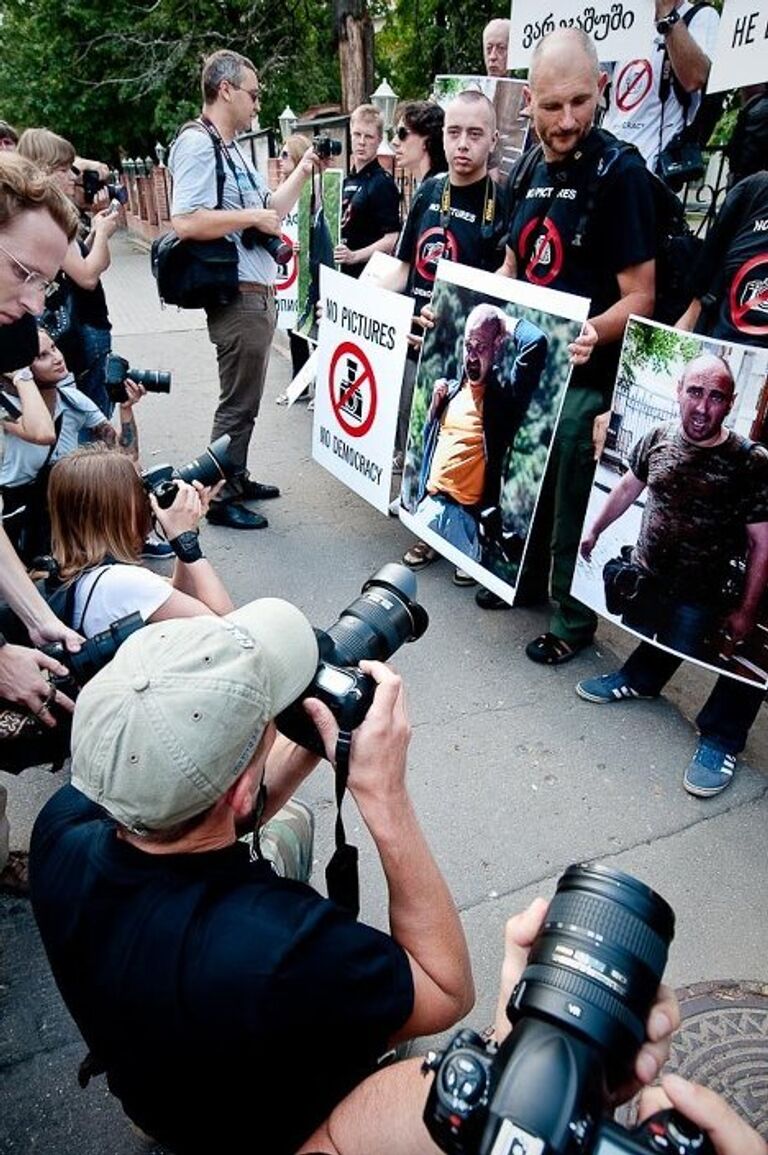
[27, 277]
[254, 93]
[402, 133]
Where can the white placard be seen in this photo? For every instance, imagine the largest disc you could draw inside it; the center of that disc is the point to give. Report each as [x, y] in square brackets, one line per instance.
[360, 361]
[287, 281]
[619, 28]
[741, 53]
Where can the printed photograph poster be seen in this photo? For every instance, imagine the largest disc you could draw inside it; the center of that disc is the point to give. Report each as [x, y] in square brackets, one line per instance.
[363, 337]
[287, 281]
[513, 124]
[740, 56]
[619, 28]
[675, 541]
[319, 233]
[489, 386]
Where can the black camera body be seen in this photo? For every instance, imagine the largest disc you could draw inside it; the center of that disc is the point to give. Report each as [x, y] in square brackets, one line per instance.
[375, 625]
[93, 183]
[326, 147]
[211, 466]
[93, 654]
[579, 1015]
[117, 369]
[279, 250]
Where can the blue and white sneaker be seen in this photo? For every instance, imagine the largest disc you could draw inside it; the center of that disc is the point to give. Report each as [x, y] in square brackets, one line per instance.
[709, 771]
[610, 688]
[154, 549]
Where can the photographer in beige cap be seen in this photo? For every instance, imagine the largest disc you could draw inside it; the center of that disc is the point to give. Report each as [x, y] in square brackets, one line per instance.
[203, 983]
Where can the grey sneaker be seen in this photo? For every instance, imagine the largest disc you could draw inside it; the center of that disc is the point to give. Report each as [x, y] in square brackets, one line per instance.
[609, 688]
[709, 771]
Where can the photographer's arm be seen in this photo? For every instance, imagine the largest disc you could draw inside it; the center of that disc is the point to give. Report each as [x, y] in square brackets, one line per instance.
[85, 271]
[210, 224]
[729, 1134]
[35, 423]
[286, 194]
[617, 503]
[740, 623]
[422, 915]
[197, 587]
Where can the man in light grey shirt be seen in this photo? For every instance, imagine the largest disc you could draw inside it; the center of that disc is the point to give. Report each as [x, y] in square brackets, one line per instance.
[241, 330]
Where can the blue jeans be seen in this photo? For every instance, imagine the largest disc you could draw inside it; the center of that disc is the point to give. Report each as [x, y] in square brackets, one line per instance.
[96, 344]
[452, 521]
[684, 626]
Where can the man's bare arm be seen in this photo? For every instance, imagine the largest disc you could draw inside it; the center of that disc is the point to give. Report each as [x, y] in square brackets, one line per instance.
[618, 502]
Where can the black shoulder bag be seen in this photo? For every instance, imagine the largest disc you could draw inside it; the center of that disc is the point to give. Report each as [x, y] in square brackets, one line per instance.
[197, 274]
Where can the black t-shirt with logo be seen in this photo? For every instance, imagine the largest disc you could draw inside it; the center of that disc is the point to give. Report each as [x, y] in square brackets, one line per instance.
[370, 208]
[464, 238]
[563, 243]
[733, 266]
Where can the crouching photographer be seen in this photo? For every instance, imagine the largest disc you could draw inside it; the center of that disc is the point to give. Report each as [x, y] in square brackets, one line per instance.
[202, 982]
[545, 1085]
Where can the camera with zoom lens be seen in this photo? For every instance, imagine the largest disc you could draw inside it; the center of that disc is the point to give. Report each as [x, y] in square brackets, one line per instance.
[93, 654]
[375, 625]
[326, 147]
[279, 250]
[213, 465]
[93, 183]
[116, 371]
[578, 1016]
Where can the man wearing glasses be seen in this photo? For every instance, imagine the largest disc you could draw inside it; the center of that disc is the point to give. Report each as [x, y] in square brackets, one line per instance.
[241, 330]
[36, 226]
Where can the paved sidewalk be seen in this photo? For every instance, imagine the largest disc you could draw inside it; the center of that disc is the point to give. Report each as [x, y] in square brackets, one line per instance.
[513, 775]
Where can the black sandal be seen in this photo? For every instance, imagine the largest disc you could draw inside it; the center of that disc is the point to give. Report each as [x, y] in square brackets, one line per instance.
[549, 650]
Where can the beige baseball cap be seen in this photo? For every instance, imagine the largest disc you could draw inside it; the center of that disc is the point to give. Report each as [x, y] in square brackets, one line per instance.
[168, 725]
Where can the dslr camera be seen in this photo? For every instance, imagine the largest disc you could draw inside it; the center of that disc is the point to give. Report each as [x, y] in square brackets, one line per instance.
[326, 147]
[211, 466]
[578, 1015]
[92, 656]
[279, 250]
[92, 184]
[374, 626]
[116, 371]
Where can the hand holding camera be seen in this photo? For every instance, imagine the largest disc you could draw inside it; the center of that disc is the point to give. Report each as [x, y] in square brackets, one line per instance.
[183, 515]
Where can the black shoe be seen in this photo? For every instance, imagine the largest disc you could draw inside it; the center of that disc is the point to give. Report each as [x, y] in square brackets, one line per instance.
[235, 516]
[490, 601]
[257, 491]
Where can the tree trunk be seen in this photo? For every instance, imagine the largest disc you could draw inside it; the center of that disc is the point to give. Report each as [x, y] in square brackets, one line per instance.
[354, 37]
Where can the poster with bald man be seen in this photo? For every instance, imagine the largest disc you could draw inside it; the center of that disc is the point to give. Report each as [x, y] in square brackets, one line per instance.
[490, 382]
[675, 541]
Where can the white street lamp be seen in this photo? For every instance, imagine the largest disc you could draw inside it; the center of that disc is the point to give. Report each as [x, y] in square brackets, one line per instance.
[385, 100]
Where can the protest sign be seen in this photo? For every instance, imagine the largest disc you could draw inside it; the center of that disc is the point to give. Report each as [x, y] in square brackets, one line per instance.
[360, 361]
[506, 96]
[489, 386]
[740, 56]
[619, 28]
[287, 282]
[676, 533]
[319, 233]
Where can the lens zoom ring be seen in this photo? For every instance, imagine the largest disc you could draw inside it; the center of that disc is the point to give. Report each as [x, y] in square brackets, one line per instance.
[587, 991]
[619, 927]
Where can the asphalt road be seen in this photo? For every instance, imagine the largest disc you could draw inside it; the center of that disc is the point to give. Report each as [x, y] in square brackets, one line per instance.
[514, 776]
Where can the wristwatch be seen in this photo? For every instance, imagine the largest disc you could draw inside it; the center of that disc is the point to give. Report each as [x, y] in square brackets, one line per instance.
[667, 23]
[24, 374]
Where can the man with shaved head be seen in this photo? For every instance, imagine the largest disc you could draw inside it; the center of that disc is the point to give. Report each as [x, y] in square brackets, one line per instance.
[496, 47]
[706, 504]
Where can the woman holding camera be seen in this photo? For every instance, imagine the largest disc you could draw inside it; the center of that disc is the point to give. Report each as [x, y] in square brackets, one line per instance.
[77, 314]
[100, 518]
[27, 463]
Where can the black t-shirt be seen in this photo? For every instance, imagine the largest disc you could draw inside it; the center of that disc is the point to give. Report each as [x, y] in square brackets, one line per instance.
[231, 1008]
[427, 238]
[91, 304]
[733, 266]
[561, 245]
[370, 208]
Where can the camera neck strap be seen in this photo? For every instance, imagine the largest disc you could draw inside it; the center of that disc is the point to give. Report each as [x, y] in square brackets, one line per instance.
[489, 208]
[341, 873]
[223, 149]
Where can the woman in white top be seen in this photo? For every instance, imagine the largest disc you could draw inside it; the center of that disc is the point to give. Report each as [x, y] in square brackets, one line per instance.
[100, 517]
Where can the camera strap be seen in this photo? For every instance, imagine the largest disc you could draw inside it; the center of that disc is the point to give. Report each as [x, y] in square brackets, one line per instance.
[223, 149]
[341, 873]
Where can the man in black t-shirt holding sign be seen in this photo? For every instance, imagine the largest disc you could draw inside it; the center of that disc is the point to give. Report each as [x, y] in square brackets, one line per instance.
[370, 202]
[583, 223]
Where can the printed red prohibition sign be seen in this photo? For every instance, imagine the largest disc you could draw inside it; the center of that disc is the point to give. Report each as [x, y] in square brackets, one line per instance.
[750, 294]
[291, 269]
[353, 396]
[633, 84]
[545, 261]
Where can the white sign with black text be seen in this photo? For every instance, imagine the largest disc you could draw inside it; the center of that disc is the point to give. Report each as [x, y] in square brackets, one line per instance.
[619, 28]
[741, 53]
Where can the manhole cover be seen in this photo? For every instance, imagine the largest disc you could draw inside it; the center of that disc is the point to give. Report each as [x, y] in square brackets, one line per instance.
[723, 1044]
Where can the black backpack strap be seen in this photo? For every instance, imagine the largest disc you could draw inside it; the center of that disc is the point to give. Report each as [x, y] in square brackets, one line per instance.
[520, 179]
[106, 566]
[200, 126]
[602, 162]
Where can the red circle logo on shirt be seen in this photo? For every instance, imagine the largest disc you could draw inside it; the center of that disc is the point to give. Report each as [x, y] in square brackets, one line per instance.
[541, 247]
[432, 246]
[748, 297]
[633, 84]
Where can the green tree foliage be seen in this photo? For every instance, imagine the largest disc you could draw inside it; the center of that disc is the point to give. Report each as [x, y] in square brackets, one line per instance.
[423, 38]
[112, 76]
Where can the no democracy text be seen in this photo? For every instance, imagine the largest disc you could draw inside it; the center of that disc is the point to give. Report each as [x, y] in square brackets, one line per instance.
[352, 457]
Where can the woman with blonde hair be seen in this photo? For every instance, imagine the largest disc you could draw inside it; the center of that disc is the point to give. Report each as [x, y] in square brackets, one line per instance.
[292, 152]
[77, 315]
[100, 518]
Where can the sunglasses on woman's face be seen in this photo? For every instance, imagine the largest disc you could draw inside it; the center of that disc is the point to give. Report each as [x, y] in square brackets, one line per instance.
[402, 133]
